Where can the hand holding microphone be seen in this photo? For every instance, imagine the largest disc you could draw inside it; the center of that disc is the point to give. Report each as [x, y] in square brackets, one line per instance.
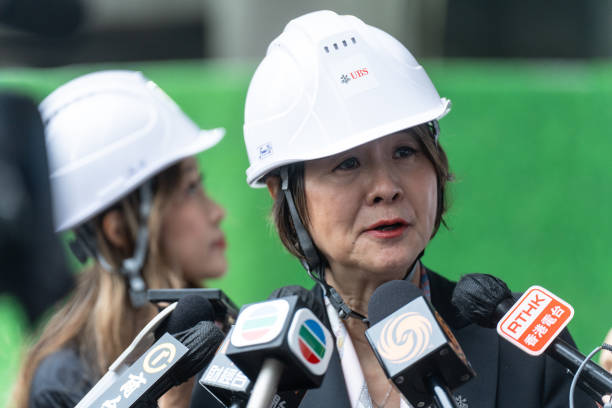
[416, 349]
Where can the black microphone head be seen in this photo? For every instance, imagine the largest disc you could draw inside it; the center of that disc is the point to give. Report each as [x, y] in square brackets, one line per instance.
[202, 340]
[482, 299]
[189, 310]
[389, 297]
[285, 330]
[305, 296]
[413, 343]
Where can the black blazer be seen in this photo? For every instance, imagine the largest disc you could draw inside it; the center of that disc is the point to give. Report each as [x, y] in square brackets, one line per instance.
[507, 377]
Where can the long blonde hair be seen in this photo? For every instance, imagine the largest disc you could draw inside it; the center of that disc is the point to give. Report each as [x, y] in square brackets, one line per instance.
[89, 320]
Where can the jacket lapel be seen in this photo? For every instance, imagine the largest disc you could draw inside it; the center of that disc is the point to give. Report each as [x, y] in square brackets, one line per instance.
[480, 345]
[481, 349]
[332, 392]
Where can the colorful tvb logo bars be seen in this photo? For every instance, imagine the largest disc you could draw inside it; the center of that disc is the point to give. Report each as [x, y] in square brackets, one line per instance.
[308, 339]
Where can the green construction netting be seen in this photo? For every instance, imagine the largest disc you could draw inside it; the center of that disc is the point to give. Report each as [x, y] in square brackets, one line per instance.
[530, 146]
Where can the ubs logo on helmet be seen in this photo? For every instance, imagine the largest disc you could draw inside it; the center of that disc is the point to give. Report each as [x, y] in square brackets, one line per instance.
[358, 73]
[404, 337]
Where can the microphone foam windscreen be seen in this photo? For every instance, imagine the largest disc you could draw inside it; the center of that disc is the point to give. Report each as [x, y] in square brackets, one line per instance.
[477, 296]
[202, 340]
[305, 296]
[389, 297]
[190, 310]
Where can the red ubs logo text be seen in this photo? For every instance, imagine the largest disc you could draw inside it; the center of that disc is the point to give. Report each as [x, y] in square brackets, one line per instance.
[359, 73]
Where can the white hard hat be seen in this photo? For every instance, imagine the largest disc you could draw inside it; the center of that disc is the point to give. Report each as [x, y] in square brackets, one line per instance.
[329, 83]
[106, 133]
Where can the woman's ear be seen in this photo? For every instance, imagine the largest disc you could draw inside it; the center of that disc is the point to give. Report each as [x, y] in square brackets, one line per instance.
[114, 229]
[273, 183]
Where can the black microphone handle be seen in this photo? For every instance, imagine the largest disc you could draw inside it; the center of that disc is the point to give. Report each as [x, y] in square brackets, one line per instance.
[592, 378]
[441, 395]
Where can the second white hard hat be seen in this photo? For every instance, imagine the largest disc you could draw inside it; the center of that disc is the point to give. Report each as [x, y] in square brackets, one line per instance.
[106, 133]
[329, 83]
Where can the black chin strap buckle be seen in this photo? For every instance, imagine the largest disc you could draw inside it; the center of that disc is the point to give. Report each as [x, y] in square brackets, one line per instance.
[344, 311]
[434, 129]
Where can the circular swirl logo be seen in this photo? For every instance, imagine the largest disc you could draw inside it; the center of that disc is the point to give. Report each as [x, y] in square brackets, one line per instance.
[404, 337]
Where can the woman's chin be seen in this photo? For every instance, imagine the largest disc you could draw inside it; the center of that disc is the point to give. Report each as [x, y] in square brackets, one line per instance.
[392, 263]
[213, 270]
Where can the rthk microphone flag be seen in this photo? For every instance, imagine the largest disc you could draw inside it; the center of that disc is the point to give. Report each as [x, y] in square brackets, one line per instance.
[535, 320]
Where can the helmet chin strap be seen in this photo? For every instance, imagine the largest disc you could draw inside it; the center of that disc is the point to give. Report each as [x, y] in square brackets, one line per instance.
[312, 259]
[131, 267]
[84, 246]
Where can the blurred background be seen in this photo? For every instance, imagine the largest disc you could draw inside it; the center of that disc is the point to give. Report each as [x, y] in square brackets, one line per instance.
[528, 138]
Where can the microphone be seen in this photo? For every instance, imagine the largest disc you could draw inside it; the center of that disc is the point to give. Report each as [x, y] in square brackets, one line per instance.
[189, 311]
[414, 346]
[282, 344]
[172, 360]
[201, 341]
[225, 311]
[228, 385]
[306, 296]
[485, 300]
[177, 317]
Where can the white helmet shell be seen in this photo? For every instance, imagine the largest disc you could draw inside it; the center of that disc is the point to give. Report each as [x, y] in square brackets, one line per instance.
[106, 133]
[327, 84]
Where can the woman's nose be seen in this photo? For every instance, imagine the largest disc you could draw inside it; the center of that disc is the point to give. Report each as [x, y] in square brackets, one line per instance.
[385, 186]
[217, 213]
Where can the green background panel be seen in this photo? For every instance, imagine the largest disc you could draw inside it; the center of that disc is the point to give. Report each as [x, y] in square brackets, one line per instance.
[529, 144]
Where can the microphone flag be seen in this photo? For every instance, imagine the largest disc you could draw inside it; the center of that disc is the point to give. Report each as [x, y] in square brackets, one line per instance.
[286, 330]
[535, 320]
[414, 343]
[228, 384]
[141, 375]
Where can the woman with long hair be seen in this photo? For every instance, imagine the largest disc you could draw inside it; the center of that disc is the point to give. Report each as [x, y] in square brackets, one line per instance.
[125, 180]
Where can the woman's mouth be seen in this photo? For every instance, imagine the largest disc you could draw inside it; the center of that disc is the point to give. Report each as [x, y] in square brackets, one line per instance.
[388, 228]
[220, 243]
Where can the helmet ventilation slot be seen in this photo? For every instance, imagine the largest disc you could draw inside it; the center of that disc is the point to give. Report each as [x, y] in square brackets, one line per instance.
[337, 47]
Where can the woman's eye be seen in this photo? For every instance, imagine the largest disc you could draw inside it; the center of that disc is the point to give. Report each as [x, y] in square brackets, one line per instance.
[403, 152]
[348, 164]
[195, 184]
[192, 188]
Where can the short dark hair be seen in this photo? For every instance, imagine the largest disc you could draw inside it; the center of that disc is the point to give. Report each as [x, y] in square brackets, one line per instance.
[280, 212]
